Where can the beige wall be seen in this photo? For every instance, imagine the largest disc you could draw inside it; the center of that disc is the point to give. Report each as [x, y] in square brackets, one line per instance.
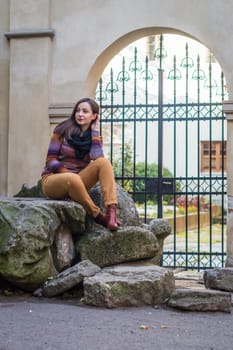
[30, 71]
[4, 94]
[89, 33]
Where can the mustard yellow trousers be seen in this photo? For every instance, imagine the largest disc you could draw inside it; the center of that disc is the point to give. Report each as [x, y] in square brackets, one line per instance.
[76, 186]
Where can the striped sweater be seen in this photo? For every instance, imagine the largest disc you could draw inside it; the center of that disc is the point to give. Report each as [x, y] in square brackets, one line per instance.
[61, 156]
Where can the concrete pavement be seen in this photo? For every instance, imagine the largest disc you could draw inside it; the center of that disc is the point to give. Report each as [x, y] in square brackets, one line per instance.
[30, 323]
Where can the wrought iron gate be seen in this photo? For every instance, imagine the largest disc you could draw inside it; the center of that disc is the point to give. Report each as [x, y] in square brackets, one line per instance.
[165, 133]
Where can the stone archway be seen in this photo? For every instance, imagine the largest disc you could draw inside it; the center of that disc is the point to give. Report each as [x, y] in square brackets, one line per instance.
[104, 58]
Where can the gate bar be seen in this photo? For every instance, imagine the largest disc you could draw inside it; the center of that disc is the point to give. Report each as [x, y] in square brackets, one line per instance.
[160, 143]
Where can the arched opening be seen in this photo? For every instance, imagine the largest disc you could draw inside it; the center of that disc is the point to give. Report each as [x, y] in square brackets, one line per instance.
[165, 132]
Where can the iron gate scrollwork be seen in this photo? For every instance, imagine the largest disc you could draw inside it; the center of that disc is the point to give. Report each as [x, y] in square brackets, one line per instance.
[164, 131]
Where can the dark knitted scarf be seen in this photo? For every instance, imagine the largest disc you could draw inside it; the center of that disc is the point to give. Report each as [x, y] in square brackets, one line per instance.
[81, 144]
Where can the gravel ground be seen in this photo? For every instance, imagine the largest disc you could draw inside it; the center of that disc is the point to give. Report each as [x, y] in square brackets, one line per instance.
[30, 323]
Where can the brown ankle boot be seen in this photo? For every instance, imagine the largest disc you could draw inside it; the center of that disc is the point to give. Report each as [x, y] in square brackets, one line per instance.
[101, 219]
[111, 220]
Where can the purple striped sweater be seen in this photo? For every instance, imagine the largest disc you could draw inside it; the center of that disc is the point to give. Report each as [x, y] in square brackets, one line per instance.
[61, 156]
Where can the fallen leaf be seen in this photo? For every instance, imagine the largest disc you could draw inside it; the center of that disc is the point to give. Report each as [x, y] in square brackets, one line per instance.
[143, 327]
[163, 326]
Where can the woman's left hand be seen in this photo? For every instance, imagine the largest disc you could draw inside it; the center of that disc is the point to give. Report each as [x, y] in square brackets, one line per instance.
[96, 123]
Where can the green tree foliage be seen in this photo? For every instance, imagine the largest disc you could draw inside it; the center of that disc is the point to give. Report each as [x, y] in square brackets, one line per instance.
[123, 167]
[133, 177]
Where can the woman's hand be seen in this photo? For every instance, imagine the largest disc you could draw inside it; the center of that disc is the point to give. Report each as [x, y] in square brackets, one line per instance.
[96, 123]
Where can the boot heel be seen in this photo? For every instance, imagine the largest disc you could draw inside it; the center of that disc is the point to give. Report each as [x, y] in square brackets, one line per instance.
[101, 219]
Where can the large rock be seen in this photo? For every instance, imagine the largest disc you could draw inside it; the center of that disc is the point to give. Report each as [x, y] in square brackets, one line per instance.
[126, 209]
[161, 228]
[27, 231]
[63, 249]
[105, 248]
[38, 236]
[128, 285]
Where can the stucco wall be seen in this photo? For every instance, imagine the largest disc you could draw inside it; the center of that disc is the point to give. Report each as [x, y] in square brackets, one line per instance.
[30, 72]
[4, 94]
[89, 33]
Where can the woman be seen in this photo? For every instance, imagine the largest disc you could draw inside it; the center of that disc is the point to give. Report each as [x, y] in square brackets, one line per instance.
[75, 162]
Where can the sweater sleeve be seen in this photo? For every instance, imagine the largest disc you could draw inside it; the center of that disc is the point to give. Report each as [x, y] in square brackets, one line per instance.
[96, 150]
[53, 164]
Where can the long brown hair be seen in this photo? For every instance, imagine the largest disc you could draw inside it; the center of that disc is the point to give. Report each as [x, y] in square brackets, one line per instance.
[70, 127]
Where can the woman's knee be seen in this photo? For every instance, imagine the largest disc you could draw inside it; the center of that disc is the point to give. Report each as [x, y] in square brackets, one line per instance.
[74, 180]
[102, 162]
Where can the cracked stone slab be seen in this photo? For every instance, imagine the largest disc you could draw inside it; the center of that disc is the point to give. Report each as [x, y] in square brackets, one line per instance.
[200, 300]
[219, 278]
[69, 278]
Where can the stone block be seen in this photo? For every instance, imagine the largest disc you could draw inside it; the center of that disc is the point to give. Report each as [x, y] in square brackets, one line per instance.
[127, 285]
[200, 300]
[219, 278]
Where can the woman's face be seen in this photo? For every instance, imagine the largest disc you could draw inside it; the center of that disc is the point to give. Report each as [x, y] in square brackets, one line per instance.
[84, 115]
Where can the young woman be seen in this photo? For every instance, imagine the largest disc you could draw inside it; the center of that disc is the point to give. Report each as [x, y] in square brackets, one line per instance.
[75, 162]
